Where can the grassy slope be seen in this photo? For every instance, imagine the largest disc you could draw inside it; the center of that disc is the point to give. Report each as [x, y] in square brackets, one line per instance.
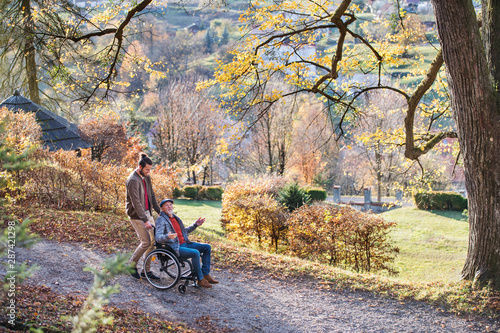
[433, 245]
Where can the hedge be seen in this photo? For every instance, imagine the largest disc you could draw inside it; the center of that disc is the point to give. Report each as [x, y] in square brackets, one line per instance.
[177, 192]
[316, 194]
[192, 191]
[198, 192]
[440, 201]
[213, 192]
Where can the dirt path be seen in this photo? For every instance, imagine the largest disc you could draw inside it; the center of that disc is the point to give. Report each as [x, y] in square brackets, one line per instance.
[245, 302]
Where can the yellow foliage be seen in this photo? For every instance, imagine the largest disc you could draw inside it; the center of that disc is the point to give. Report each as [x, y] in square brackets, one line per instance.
[250, 211]
[23, 132]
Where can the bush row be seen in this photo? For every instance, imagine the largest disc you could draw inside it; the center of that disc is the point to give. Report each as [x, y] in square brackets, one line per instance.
[440, 201]
[65, 181]
[252, 211]
[341, 236]
[198, 192]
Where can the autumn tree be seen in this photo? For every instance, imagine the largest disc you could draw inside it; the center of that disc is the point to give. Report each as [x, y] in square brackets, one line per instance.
[315, 151]
[74, 51]
[188, 127]
[271, 138]
[383, 114]
[108, 136]
[280, 33]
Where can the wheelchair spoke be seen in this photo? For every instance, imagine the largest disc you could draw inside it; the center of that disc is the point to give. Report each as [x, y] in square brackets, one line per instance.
[165, 272]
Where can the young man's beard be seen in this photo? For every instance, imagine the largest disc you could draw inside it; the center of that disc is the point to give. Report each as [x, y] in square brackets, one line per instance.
[141, 173]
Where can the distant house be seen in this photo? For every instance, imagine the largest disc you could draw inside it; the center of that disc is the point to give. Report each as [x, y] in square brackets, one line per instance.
[412, 5]
[193, 28]
[430, 25]
[57, 132]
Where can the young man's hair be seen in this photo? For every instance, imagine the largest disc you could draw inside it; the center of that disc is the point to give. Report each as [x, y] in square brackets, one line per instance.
[144, 159]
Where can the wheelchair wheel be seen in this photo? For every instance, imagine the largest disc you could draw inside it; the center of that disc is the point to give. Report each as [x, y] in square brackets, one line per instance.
[182, 288]
[164, 265]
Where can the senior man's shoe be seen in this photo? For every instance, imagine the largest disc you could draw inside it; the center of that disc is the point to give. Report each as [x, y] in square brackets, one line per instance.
[204, 283]
[150, 275]
[210, 279]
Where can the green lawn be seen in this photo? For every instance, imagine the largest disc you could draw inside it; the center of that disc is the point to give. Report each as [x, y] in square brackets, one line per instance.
[433, 245]
[190, 210]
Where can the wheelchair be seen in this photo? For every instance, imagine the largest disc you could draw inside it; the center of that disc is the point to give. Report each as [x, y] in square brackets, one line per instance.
[170, 269]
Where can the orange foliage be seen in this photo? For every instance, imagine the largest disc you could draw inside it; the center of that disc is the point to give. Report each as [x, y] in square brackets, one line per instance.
[165, 179]
[251, 212]
[342, 236]
[134, 147]
[108, 137]
[23, 132]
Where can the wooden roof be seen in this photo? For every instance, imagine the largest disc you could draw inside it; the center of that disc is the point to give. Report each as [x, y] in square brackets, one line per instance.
[57, 132]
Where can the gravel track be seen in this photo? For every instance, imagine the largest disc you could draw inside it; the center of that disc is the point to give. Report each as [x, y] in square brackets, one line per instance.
[248, 302]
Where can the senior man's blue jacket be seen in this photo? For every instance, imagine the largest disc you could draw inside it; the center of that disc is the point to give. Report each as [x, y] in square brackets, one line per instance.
[164, 227]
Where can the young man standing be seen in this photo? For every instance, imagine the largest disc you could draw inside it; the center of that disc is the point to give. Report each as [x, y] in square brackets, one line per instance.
[171, 230]
[140, 200]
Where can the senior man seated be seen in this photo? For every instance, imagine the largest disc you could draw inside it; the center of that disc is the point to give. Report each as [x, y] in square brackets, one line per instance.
[170, 230]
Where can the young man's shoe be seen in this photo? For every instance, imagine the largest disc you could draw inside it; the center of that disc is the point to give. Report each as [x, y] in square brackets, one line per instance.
[204, 283]
[135, 274]
[150, 275]
[210, 279]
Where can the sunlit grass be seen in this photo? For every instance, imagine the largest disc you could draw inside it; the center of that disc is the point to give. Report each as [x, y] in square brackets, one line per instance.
[433, 244]
[190, 210]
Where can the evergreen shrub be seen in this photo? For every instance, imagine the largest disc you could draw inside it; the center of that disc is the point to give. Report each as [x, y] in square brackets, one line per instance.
[440, 201]
[316, 194]
[214, 192]
[293, 197]
[177, 192]
[192, 191]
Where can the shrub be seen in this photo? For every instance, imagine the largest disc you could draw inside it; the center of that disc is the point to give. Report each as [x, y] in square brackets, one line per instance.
[20, 137]
[251, 213]
[257, 217]
[202, 193]
[316, 194]
[440, 201]
[66, 181]
[192, 191]
[341, 236]
[177, 192]
[164, 179]
[293, 197]
[214, 192]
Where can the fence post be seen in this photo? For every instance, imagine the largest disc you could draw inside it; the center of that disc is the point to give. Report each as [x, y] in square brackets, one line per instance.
[399, 195]
[368, 197]
[336, 194]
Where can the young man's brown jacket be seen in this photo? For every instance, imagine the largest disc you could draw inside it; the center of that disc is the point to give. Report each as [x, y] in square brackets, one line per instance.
[135, 197]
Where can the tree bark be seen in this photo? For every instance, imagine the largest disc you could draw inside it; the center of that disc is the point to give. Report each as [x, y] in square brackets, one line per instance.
[29, 52]
[474, 80]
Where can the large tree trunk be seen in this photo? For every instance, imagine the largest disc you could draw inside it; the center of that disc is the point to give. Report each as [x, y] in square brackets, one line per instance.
[474, 82]
[29, 52]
